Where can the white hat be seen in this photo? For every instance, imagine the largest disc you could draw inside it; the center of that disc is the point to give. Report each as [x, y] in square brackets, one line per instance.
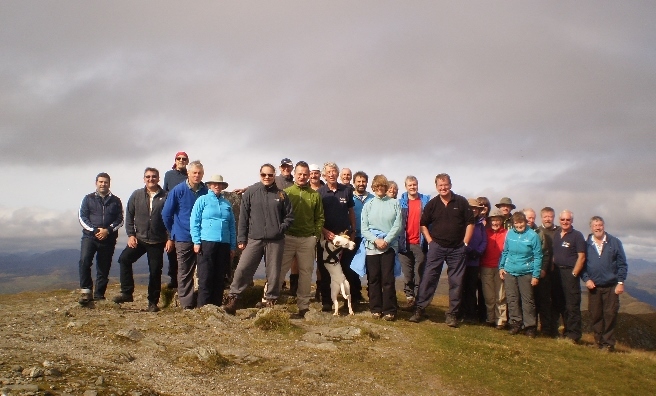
[314, 167]
[218, 179]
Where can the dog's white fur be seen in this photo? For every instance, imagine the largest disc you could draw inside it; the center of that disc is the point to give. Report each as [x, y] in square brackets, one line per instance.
[338, 282]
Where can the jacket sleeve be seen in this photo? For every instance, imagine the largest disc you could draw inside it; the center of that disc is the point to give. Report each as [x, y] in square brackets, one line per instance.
[537, 256]
[244, 214]
[232, 227]
[504, 254]
[168, 210]
[83, 216]
[620, 261]
[546, 258]
[584, 272]
[118, 221]
[482, 242]
[129, 215]
[365, 230]
[195, 220]
[287, 213]
[319, 218]
[396, 227]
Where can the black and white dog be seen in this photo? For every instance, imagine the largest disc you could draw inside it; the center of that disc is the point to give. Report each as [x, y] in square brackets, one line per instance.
[332, 253]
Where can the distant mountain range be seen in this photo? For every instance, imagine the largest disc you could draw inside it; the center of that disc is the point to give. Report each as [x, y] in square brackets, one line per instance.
[58, 269]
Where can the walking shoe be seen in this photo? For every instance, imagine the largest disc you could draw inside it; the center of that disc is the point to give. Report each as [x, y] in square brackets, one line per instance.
[530, 332]
[451, 321]
[327, 308]
[389, 317]
[152, 308]
[410, 305]
[376, 315]
[515, 328]
[230, 306]
[301, 314]
[172, 285]
[418, 316]
[85, 298]
[500, 327]
[122, 298]
[265, 304]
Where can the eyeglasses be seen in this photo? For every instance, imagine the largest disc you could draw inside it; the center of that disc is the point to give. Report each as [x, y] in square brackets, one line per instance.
[267, 174]
[182, 159]
[565, 219]
[151, 177]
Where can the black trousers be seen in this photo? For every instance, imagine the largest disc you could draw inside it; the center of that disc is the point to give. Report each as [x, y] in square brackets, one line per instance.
[469, 309]
[103, 251]
[603, 305]
[155, 254]
[381, 282]
[569, 302]
[213, 264]
[543, 306]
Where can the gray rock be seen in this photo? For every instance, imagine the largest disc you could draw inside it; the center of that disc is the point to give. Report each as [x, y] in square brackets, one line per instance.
[131, 334]
[47, 364]
[53, 372]
[22, 388]
[322, 346]
[17, 368]
[34, 372]
[343, 333]
[90, 392]
[100, 380]
[150, 343]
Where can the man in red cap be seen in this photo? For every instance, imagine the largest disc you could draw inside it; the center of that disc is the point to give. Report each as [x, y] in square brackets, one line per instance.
[172, 178]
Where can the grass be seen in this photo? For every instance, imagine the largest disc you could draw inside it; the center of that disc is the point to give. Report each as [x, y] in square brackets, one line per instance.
[274, 320]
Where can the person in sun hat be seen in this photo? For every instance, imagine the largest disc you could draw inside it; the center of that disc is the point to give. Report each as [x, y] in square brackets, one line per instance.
[214, 235]
[506, 207]
[494, 291]
[473, 252]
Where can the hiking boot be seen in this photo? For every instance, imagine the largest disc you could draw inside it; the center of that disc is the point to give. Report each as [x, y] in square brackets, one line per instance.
[515, 328]
[451, 321]
[410, 305]
[389, 317]
[152, 308]
[265, 304]
[530, 332]
[500, 327]
[293, 284]
[418, 316]
[301, 314]
[172, 285]
[85, 298]
[230, 305]
[122, 298]
[376, 315]
[327, 308]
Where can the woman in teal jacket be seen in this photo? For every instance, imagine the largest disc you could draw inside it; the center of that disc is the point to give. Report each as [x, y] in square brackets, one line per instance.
[519, 267]
[215, 240]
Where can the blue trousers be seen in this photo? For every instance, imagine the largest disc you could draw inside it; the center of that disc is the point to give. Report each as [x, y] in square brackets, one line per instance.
[455, 263]
[104, 251]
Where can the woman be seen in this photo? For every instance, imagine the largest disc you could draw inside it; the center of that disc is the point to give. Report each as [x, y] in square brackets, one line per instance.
[493, 290]
[519, 267]
[381, 225]
[485, 210]
[393, 190]
[215, 240]
[473, 252]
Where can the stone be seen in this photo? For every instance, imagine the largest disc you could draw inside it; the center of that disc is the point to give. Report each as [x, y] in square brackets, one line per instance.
[17, 368]
[100, 380]
[152, 344]
[53, 372]
[322, 346]
[131, 334]
[23, 388]
[90, 392]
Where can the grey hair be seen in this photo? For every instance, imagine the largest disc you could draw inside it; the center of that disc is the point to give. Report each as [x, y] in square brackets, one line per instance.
[195, 164]
[330, 165]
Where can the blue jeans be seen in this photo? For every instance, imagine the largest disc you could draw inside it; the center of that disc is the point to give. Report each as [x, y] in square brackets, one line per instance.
[155, 254]
[455, 262]
[104, 251]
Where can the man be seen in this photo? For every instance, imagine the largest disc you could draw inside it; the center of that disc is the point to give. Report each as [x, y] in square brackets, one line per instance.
[172, 178]
[544, 291]
[339, 217]
[447, 224]
[360, 197]
[569, 258]
[265, 215]
[285, 178]
[315, 177]
[302, 236]
[506, 207]
[146, 234]
[393, 190]
[345, 177]
[604, 275]
[101, 215]
[412, 244]
[176, 215]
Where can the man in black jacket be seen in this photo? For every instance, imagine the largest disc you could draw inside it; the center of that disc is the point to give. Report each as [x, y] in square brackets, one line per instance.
[101, 215]
[146, 234]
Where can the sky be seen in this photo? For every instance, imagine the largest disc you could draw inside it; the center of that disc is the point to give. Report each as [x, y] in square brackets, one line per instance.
[548, 103]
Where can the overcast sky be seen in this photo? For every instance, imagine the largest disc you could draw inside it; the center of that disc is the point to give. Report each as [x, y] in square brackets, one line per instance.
[549, 103]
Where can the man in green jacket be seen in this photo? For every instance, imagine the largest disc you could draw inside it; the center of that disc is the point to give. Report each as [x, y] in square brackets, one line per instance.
[301, 236]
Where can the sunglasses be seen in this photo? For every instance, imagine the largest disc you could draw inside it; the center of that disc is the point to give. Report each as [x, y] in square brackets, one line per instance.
[565, 219]
[151, 177]
[267, 174]
[182, 159]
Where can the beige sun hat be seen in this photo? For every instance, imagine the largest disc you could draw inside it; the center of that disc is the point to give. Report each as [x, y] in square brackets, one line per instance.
[474, 203]
[495, 213]
[218, 179]
[506, 201]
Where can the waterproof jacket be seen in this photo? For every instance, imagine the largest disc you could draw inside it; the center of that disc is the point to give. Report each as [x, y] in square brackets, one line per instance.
[213, 220]
[608, 268]
[522, 253]
[477, 244]
[98, 212]
[177, 210]
[265, 213]
[307, 206]
[142, 222]
[403, 237]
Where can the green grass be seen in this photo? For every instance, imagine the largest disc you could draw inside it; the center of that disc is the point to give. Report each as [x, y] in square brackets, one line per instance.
[485, 360]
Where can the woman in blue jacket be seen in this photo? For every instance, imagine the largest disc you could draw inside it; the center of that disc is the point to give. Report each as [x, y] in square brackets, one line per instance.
[215, 240]
[519, 267]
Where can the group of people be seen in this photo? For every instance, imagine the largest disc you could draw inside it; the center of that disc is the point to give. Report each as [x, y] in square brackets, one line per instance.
[502, 268]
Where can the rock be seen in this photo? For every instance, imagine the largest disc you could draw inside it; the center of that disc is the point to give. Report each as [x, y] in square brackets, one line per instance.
[343, 333]
[22, 388]
[322, 346]
[100, 380]
[121, 357]
[131, 334]
[47, 364]
[150, 343]
[90, 392]
[16, 368]
[53, 372]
